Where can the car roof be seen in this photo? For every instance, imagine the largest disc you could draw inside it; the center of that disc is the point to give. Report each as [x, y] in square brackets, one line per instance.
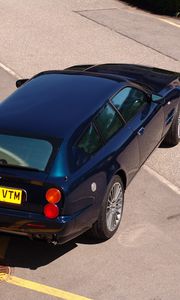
[54, 104]
[155, 79]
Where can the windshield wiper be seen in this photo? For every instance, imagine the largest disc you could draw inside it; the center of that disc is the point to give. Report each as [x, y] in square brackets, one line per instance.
[6, 165]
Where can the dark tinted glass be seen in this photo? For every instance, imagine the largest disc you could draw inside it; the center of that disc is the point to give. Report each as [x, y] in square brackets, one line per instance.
[24, 151]
[129, 101]
[108, 122]
[90, 141]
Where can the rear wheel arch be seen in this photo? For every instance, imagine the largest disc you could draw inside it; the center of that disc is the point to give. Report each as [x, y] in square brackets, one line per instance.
[121, 173]
[111, 210]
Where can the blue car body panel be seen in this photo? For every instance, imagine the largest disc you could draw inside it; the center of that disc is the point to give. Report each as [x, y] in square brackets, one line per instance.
[58, 105]
[55, 104]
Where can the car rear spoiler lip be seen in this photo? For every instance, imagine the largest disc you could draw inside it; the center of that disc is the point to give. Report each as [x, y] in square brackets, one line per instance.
[155, 78]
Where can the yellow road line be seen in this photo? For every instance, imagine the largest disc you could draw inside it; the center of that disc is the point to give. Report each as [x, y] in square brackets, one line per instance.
[170, 22]
[37, 287]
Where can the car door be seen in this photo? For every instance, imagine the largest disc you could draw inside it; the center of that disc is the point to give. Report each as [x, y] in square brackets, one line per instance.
[171, 102]
[143, 116]
[115, 148]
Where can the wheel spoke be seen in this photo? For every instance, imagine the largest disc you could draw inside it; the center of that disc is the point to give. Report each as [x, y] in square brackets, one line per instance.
[113, 220]
[117, 192]
[109, 219]
[114, 207]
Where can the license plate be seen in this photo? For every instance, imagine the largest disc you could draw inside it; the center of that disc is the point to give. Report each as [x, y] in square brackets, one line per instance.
[9, 195]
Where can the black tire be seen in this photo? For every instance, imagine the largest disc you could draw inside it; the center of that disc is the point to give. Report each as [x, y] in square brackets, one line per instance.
[100, 229]
[172, 138]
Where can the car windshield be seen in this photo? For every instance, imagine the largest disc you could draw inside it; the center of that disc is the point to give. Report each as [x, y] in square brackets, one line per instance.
[24, 152]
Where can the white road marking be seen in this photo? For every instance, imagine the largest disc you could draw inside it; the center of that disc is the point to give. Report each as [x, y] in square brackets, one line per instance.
[10, 71]
[170, 22]
[172, 186]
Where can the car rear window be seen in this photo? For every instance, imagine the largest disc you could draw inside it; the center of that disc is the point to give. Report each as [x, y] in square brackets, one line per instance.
[24, 152]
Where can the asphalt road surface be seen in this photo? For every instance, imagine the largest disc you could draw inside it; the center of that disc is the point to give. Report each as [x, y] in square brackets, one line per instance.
[142, 260]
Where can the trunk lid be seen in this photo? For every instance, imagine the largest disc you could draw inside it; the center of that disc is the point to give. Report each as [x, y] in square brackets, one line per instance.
[27, 188]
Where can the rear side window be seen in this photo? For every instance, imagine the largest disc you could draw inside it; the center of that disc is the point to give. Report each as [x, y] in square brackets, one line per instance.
[108, 122]
[24, 152]
[129, 101]
[88, 144]
[90, 141]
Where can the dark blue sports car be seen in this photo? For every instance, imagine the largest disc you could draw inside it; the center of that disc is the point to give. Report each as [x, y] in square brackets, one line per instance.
[72, 140]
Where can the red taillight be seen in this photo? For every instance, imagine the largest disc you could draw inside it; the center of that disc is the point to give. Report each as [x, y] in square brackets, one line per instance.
[51, 211]
[53, 195]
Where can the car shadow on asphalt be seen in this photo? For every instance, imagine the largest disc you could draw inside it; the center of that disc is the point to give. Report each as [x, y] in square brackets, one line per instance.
[32, 254]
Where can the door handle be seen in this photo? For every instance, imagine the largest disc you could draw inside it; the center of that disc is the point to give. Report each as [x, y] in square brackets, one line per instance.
[141, 131]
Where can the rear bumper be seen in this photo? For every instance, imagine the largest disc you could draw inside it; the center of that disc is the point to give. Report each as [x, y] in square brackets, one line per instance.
[33, 224]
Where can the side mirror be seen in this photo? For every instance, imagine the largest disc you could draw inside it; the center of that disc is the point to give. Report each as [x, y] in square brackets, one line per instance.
[20, 82]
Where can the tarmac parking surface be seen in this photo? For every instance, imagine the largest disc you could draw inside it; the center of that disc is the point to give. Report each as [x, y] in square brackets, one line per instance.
[142, 260]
